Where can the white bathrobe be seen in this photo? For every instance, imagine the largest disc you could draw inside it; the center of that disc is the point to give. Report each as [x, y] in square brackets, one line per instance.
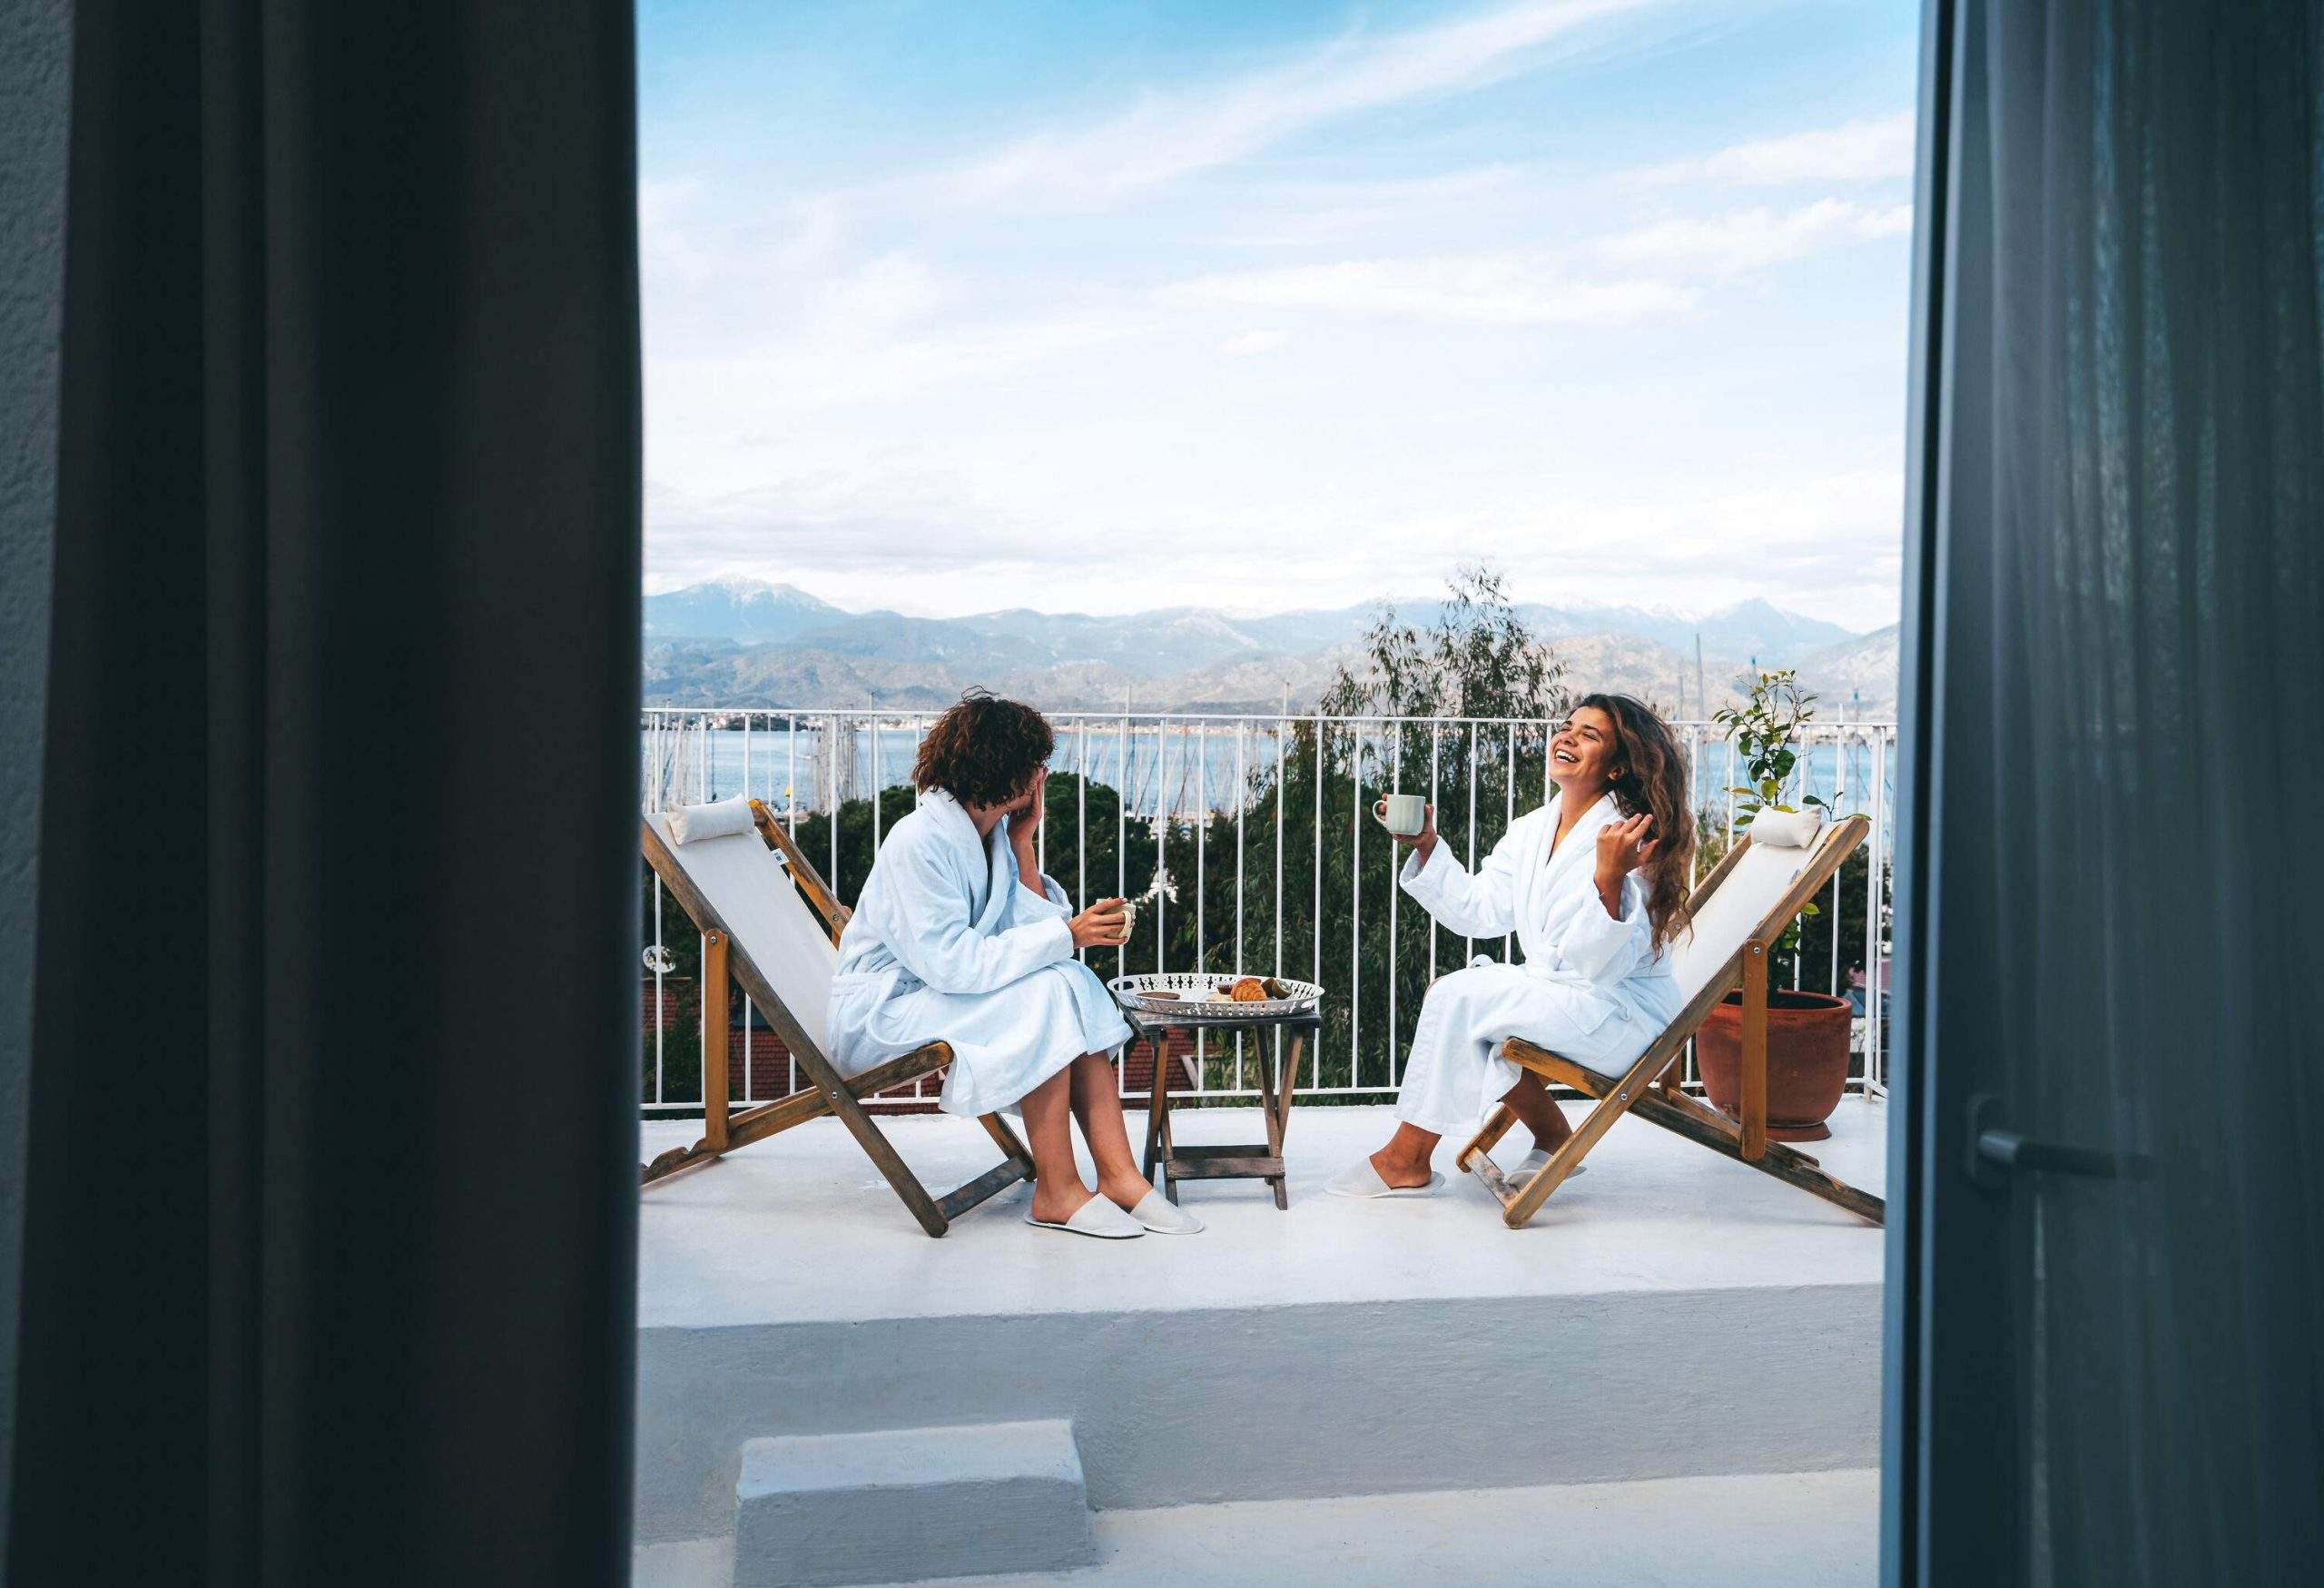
[1591, 987]
[947, 945]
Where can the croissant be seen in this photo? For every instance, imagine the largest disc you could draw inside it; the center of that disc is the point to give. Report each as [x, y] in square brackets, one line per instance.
[1249, 990]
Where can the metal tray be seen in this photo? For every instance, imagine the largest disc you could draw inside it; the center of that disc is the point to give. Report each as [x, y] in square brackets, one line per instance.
[1187, 994]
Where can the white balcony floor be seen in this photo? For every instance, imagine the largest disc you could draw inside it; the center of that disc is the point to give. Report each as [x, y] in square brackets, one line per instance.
[1708, 1336]
[1789, 1530]
[800, 1229]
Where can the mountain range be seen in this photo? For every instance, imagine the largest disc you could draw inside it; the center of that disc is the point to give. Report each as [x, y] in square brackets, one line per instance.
[744, 642]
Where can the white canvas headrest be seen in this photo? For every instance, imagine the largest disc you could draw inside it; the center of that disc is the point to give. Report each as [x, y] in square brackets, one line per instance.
[725, 819]
[1774, 829]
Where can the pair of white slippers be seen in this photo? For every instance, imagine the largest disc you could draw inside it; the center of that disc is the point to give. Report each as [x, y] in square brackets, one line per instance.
[1361, 1181]
[1100, 1220]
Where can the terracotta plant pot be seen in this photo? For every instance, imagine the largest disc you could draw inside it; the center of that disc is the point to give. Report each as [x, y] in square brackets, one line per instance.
[1807, 1060]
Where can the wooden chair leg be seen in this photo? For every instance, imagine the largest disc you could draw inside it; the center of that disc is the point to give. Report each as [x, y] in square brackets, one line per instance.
[884, 1158]
[1017, 1165]
[1633, 1085]
[715, 992]
[1497, 1125]
[1753, 1100]
[1006, 1138]
[1699, 1123]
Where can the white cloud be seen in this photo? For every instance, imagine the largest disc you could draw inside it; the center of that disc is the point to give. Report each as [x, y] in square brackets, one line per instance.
[1255, 341]
[839, 368]
[1170, 134]
[1273, 214]
[821, 230]
[1871, 148]
[1480, 289]
[882, 292]
[1750, 239]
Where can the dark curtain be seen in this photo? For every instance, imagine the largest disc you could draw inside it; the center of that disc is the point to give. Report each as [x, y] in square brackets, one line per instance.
[2114, 1359]
[330, 1227]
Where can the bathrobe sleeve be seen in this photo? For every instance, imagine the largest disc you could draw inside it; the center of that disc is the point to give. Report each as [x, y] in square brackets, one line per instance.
[932, 932]
[1054, 904]
[1602, 948]
[1484, 905]
[1022, 906]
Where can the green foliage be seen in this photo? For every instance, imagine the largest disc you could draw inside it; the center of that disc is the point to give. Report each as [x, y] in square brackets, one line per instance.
[1478, 659]
[1762, 730]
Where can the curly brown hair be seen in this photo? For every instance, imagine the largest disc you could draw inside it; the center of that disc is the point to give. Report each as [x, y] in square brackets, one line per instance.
[1652, 776]
[983, 751]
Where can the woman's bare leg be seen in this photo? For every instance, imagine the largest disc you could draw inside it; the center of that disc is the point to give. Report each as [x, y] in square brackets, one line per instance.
[1098, 1104]
[1058, 1191]
[1405, 1160]
[1538, 1111]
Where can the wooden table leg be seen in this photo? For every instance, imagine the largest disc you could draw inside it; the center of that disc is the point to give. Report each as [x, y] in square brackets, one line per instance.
[1285, 1084]
[1157, 1117]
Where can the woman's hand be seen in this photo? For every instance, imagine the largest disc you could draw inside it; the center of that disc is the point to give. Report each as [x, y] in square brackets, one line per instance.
[1104, 925]
[1423, 842]
[1623, 847]
[1025, 821]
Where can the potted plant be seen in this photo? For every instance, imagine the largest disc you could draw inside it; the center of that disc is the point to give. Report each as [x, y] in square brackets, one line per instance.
[1808, 1032]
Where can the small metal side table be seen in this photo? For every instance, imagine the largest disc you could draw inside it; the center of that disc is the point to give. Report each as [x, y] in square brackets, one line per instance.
[1278, 1074]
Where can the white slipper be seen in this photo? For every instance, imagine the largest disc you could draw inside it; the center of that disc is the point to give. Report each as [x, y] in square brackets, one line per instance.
[1095, 1218]
[1532, 1164]
[1161, 1216]
[1361, 1181]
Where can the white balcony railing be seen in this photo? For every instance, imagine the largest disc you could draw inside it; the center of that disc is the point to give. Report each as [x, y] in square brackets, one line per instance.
[1242, 835]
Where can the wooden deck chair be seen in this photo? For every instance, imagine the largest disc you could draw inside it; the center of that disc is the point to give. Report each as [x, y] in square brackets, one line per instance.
[1739, 911]
[757, 928]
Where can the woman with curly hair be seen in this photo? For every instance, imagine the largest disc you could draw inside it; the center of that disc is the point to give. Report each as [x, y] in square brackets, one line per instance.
[958, 938]
[1594, 886]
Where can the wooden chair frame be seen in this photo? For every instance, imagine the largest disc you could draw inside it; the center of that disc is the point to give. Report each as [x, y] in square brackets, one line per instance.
[828, 1091]
[1637, 1090]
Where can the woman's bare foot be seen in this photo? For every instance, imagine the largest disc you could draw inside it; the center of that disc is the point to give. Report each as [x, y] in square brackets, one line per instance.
[1056, 1206]
[1399, 1171]
[1125, 1192]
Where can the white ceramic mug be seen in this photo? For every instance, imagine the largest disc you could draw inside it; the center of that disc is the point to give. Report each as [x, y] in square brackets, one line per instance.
[1129, 918]
[1402, 814]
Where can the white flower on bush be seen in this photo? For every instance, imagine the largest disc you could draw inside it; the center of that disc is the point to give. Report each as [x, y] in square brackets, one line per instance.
[1162, 887]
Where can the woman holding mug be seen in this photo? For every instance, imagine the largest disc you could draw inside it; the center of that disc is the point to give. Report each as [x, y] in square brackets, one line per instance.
[958, 938]
[1594, 886]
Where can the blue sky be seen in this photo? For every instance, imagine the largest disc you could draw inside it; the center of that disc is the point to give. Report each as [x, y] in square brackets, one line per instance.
[1087, 307]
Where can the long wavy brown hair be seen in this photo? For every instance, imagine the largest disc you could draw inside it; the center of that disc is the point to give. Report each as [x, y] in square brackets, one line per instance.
[1651, 775]
[984, 751]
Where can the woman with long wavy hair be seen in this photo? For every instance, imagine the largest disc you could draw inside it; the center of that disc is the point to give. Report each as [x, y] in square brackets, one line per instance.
[1593, 885]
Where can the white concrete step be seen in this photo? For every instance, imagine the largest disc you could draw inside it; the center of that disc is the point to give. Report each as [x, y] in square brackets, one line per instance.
[1784, 1530]
[911, 1504]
